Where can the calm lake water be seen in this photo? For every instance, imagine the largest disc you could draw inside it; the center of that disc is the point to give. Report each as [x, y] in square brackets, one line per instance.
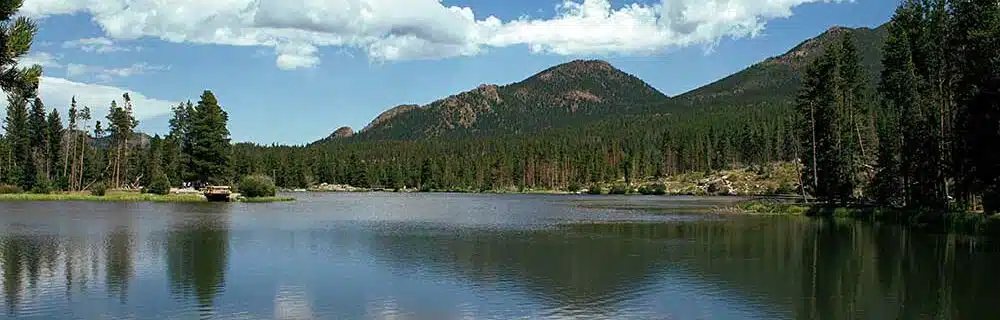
[447, 256]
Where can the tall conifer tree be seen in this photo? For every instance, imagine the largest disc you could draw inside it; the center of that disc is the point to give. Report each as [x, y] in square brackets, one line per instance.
[209, 142]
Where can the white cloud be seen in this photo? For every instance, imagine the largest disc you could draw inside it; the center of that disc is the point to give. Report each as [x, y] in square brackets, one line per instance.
[44, 59]
[295, 56]
[98, 45]
[76, 69]
[424, 29]
[107, 74]
[58, 92]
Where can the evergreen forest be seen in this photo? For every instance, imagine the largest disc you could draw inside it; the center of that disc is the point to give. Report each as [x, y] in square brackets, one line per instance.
[905, 115]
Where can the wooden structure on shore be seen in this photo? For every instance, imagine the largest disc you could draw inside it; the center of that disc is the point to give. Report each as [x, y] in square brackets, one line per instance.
[217, 193]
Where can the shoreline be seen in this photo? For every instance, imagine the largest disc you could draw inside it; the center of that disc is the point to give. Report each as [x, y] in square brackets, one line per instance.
[774, 179]
[113, 196]
[967, 223]
[634, 192]
[538, 192]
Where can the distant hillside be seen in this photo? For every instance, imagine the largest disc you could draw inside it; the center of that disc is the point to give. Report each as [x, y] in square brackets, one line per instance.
[342, 132]
[562, 95]
[582, 91]
[138, 139]
[776, 79]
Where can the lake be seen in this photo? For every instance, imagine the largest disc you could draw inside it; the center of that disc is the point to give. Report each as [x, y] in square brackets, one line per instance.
[468, 256]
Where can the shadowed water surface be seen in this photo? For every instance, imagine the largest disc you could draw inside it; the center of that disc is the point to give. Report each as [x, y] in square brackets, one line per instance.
[454, 256]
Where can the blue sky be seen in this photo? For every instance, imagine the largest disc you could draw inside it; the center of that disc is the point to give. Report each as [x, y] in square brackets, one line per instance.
[292, 71]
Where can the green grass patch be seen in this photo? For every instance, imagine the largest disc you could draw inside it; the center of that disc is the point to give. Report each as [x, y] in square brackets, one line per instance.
[774, 208]
[941, 221]
[125, 196]
[109, 197]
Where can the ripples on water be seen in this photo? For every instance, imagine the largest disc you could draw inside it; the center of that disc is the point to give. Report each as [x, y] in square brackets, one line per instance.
[448, 256]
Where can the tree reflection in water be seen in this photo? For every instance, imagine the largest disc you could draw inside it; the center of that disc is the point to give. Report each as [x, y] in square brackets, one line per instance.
[198, 255]
[788, 267]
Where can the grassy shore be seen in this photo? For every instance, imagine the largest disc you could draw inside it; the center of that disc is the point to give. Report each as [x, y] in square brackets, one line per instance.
[974, 223]
[117, 196]
[109, 197]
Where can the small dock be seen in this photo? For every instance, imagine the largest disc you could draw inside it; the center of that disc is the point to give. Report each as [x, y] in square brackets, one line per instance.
[218, 193]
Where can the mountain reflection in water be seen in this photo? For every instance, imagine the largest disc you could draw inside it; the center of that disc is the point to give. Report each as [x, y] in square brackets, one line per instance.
[443, 256]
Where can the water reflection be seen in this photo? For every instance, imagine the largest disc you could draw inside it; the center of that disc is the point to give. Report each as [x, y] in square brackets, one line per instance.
[757, 267]
[847, 270]
[292, 302]
[198, 256]
[120, 247]
[187, 261]
[25, 261]
[571, 270]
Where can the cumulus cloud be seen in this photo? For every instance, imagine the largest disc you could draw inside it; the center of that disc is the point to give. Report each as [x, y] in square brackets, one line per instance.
[58, 92]
[424, 29]
[295, 56]
[107, 74]
[44, 59]
[49, 61]
[97, 45]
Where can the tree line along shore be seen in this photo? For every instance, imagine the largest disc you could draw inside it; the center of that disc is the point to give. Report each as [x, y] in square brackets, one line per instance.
[923, 152]
[43, 159]
[915, 137]
[46, 161]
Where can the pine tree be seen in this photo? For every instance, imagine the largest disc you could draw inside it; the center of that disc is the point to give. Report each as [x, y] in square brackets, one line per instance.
[37, 144]
[394, 178]
[887, 183]
[85, 116]
[20, 84]
[854, 107]
[940, 82]
[71, 143]
[806, 103]
[976, 32]
[121, 123]
[18, 138]
[114, 117]
[826, 165]
[37, 126]
[176, 157]
[156, 179]
[18, 33]
[426, 175]
[915, 137]
[54, 137]
[185, 143]
[128, 125]
[209, 142]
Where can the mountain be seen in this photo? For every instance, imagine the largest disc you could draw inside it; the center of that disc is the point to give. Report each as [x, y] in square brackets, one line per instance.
[776, 79]
[389, 114]
[138, 139]
[342, 132]
[566, 94]
[581, 91]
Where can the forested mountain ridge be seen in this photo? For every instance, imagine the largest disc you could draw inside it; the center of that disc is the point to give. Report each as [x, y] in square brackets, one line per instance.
[776, 79]
[565, 94]
[581, 91]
